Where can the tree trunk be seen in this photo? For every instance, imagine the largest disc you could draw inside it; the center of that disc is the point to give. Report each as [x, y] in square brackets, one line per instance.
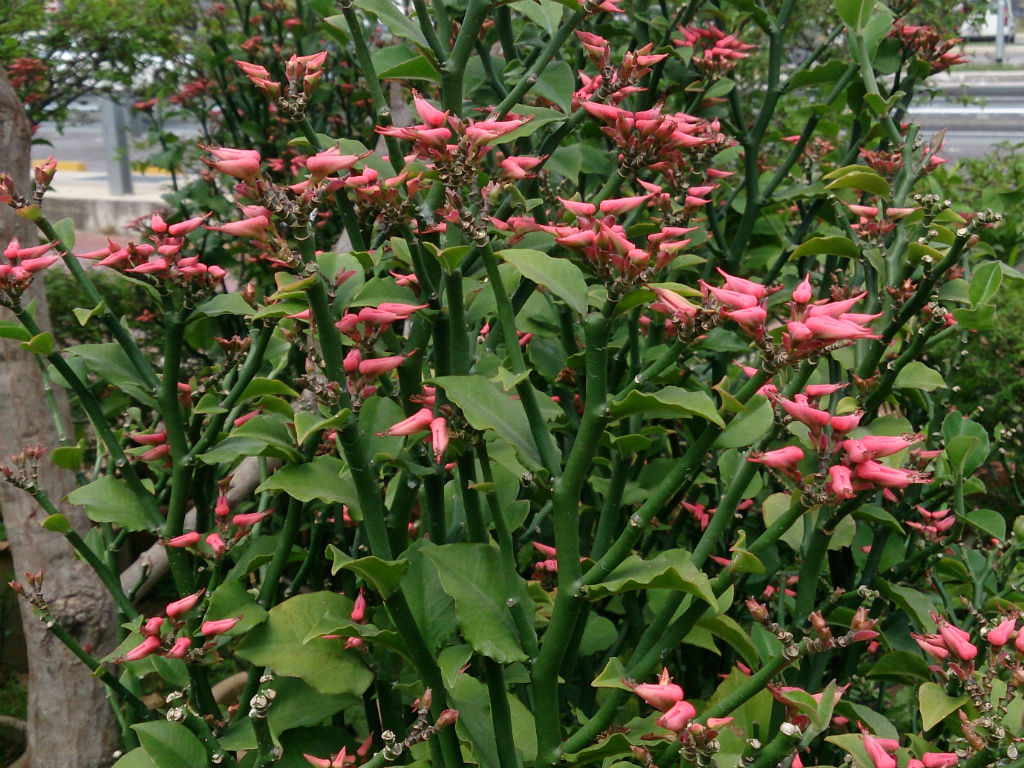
[70, 724]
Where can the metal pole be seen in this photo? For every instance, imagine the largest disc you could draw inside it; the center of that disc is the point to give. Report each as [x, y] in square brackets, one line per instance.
[1000, 29]
[115, 143]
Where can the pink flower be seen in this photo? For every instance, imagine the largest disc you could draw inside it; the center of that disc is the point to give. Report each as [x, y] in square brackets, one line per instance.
[180, 648]
[618, 206]
[184, 540]
[380, 365]
[184, 605]
[803, 293]
[805, 413]
[439, 437]
[142, 650]
[338, 760]
[887, 477]
[741, 285]
[248, 519]
[956, 639]
[840, 481]
[663, 695]
[152, 626]
[1001, 634]
[429, 114]
[218, 626]
[216, 543]
[678, 717]
[673, 304]
[243, 164]
[783, 459]
[256, 226]
[418, 422]
[877, 752]
[330, 161]
[939, 759]
[358, 607]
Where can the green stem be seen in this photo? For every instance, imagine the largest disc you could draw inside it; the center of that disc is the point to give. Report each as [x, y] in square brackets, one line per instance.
[501, 714]
[181, 465]
[454, 68]
[286, 539]
[527, 394]
[565, 517]
[529, 77]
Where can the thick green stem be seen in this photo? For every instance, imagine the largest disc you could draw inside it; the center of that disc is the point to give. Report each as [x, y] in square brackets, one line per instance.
[527, 394]
[565, 515]
[501, 714]
[286, 538]
[454, 69]
[528, 78]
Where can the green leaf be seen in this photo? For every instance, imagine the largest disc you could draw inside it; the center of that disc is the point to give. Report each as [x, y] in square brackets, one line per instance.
[668, 403]
[917, 375]
[390, 16]
[260, 387]
[57, 523]
[671, 569]
[472, 574]
[486, 406]
[855, 13]
[936, 705]
[612, 676]
[901, 665]
[399, 62]
[320, 478]
[306, 423]
[110, 363]
[83, 316]
[65, 229]
[956, 424]
[988, 521]
[854, 744]
[917, 605]
[40, 344]
[981, 318]
[385, 576]
[136, 758]
[560, 276]
[279, 643]
[832, 244]
[748, 427]
[224, 304]
[12, 330]
[556, 83]
[108, 499]
[863, 181]
[170, 745]
[545, 13]
[67, 456]
[985, 282]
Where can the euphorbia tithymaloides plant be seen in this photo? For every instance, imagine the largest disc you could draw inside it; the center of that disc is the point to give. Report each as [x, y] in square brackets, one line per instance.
[616, 376]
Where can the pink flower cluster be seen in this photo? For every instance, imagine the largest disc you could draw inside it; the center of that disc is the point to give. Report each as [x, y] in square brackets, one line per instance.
[612, 84]
[303, 74]
[22, 264]
[882, 751]
[161, 255]
[178, 647]
[928, 45]
[714, 52]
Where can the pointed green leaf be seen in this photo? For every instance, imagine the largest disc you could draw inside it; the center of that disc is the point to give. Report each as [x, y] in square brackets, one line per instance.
[472, 574]
[668, 403]
[669, 570]
[280, 643]
[109, 500]
[917, 375]
[985, 282]
[170, 745]
[385, 576]
[325, 478]
[486, 406]
[225, 304]
[560, 276]
[749, 426]
[863, 181]
[988, 521]
[83, 315]
[40, 344]
[829, 245]
[936, 705]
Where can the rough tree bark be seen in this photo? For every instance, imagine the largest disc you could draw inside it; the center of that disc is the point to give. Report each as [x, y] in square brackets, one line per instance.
[70, 724]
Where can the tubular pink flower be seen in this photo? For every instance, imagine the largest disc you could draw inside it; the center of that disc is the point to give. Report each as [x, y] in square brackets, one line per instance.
[219, 626]
[358, 607]
[939, 759]
[439, 437]
[877, 753]
[253, 227]
[751, 319]
[847, 423]
[803, 293]
[330, 161]
[184, 540]
[784, 459]
[248, 519]
[418, 422]
[578, 208]
[739, 284]
[678, 717]
[885, 476]
[399, 310]
[429, 114]
[840, 481]
[380, 365]
[806, 414]
[663, 695]
[142, 650]
[184, 605]
[619, 205]
[834, 308]
[728, 298]
[933, 645]
[957, 640]
[152, 626]
[1000, 635]
[835, 329]
[822, 390]
[180, 648]
[243, 164]
[216, 543]
[188, 225]
[675, 304]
